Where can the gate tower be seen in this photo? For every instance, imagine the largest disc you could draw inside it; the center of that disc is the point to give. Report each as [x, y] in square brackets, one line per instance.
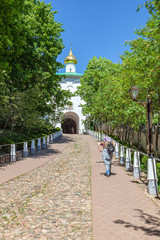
[73, 117]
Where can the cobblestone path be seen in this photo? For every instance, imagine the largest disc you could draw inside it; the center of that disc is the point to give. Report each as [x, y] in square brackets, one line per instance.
[52, 201]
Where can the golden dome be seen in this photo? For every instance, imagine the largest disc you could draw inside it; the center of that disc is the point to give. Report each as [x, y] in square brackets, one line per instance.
[70, 58]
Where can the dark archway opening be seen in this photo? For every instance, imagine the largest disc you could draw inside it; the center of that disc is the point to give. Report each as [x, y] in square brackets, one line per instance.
[69, 126]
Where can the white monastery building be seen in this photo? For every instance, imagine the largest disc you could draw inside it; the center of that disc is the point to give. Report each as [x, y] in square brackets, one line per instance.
[73, 117]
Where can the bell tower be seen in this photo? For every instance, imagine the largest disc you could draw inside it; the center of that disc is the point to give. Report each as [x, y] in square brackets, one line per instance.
[73, 118]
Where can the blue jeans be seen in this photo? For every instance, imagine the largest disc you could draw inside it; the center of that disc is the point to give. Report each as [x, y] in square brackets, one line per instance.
[107, 160]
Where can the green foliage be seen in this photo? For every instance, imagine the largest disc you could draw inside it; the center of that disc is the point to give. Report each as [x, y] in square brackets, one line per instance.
[105, 85]
[7, 138]
[116, 138]
[158, 175]
[103, 88]
[30, 41]
[144, 164]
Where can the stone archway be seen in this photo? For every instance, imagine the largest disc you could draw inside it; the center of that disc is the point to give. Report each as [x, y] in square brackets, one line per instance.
[69, 126]
[70, 123]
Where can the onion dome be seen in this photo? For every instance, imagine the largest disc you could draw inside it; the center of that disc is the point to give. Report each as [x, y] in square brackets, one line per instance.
[70, 58]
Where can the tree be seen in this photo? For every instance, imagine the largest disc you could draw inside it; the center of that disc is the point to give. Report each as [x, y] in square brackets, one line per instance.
[105, 85]
[30, 43]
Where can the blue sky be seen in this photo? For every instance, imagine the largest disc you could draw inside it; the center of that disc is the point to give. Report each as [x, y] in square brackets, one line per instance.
[97, 28]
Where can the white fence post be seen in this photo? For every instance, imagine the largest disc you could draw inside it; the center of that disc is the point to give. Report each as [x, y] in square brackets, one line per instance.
[136, 165]
[47, 140]
[117, 150]
[44, 142]
[25, 150]
[39, 144]
[122, 156]
[128, 159]
[51, 138]
[152, 176]
[13, 153]
[33, 150]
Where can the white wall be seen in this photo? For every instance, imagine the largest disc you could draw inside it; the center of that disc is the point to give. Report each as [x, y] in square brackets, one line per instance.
[72, 84]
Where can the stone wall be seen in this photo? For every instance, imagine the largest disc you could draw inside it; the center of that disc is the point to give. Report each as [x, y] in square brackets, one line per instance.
[4, 159]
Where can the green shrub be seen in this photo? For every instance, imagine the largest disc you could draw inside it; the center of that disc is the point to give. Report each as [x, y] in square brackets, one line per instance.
[17, 137]
[4, 141]
[132, 157]
[158, 174]
[144, 164]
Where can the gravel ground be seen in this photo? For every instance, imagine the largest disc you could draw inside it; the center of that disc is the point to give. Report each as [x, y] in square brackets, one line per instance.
[52, 201]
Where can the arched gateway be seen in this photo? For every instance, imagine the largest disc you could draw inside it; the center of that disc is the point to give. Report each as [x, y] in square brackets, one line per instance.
[73, 121]
[70, 123]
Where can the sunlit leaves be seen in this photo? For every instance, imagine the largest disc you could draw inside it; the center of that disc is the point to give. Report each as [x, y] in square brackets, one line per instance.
[105, 85]
[30, 41]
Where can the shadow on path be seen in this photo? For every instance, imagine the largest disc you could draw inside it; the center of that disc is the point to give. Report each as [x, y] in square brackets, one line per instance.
[47, 152]
[112, 174]
[151, 224]
[43, 153]
[24, 165]
[100, 162]
[66, 139]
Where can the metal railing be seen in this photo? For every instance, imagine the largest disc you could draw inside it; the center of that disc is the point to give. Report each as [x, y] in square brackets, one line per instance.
[123, 153]
[20, 150]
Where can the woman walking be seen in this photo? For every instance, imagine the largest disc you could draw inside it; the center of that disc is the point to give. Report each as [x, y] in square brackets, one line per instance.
[107, 148]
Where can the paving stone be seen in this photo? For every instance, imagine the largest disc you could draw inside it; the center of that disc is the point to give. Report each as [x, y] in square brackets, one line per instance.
[42, 203]
[51, 197]
[121, 208]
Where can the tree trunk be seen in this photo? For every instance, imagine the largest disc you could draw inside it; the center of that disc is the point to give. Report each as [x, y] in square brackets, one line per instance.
[20, 130]
[6, 123]
[112, 131]
[126, 132]
[139, 138]
[132, 138]
[121, 133]
[128, 137]
[28, 131]
[101, 129]
[118, 132]
[11, 131]
[146, 135]
[123, 137]
[106, 130]
[96, 129]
